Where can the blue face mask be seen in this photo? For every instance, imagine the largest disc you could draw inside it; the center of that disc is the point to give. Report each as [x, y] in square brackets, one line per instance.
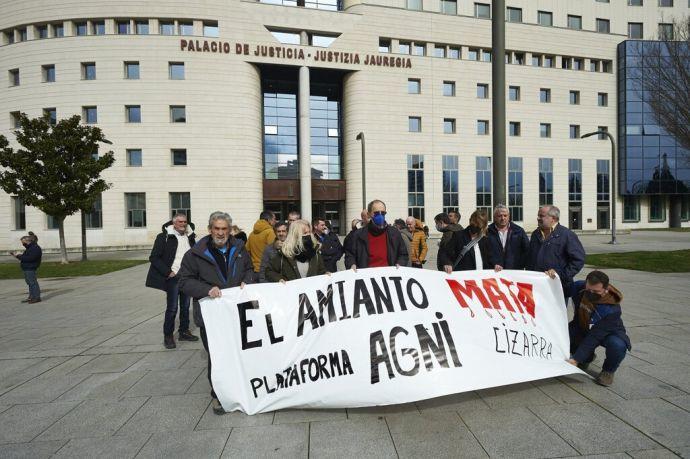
[379, 219]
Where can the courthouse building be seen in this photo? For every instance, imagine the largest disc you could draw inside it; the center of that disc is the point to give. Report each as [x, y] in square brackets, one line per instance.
[245, 105]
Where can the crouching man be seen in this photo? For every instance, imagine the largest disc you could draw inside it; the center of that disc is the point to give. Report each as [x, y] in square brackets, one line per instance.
[597, 322]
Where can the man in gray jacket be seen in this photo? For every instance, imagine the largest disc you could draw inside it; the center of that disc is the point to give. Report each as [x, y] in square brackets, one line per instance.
[218, 261]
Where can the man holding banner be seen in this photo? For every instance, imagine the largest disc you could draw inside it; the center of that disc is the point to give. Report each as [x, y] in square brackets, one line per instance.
[218, 261]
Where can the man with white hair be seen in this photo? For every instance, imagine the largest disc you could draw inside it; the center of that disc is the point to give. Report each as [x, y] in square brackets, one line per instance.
[218, 261]
[508, 241]
[555, 250]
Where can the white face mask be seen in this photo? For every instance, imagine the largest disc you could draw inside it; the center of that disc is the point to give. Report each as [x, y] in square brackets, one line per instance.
[325, 231]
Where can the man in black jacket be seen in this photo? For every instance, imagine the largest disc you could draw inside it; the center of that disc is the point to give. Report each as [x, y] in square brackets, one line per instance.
[331, 248]
[508, 242]
[218, 261]
[30, 260]
[175, 239]
[446, 249]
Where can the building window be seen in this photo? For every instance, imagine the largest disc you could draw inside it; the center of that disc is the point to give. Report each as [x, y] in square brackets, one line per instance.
[575, 180]
[142, 27]
[545, 181]
[132, 70]
[574, 22]
[98, 27]
[449, 6]
[482, 127]
[48, 73]
[185, 28]
[415, 186]
[634, 2]
[449, 88]
[545, 18]
[58, 30]
[15, 120]
[384, 45]
[451, 196]
[19, 213]
[603, 25]
[603, 99]
[473, 54]
[80, 29]
[88, 70]
[665, 3]
[578, 63]
[179, 156]
[514, 93]
[134, 157]
[288, 38]
[635, 30]
[176, 70]
[280, 131]
[483, 175]
[323, 41]
[482, 91]
[51, 114]
[414, 124]
[419, 49]
[439, 50]
[513, 14]
[544, 130]
[449, 125]
[52, 223]
[665, 31]
[519, 58]
[326, 134]
[133, 113]
[181, 203]
[514, 129]
[545, 95]
[603, 129]
[42, 31]
[594, 65]
[453, 52]
[415, 5]
[211, 29]
[414, 86]
[566, 63]
[404, 47]
[574, 131]
[122, 27]
[657, 208]
[631, 209]
[603, 190]
[515, 188]
[178, 114]
[606, 66]
[486, 55]
[482, 10]
[89, 115]
[548, 62]
[574, 97]
[14, 77]
[94, 218]
[685, 206]
[135, 204]
[166, 28]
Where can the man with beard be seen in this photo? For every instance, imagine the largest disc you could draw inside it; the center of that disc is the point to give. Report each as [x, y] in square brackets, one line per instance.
[218, 261]
[376, 244]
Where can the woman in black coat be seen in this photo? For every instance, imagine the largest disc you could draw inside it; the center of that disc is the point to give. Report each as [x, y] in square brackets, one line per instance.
[299, 256]
[479, 252]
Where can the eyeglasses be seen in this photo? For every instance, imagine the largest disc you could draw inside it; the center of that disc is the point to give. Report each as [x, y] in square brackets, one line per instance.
[379, 212]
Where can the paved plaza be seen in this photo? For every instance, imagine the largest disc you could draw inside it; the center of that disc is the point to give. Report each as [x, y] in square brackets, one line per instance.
[84, 374]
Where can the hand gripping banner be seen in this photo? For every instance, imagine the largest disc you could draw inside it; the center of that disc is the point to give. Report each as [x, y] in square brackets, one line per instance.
[381, 336]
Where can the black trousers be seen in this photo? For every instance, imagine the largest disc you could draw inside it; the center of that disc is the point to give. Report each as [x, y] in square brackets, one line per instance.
[204, 340]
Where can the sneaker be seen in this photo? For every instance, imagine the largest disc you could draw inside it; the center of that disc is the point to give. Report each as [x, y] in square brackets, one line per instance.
[169, 342]
[217, 407]
[187, 336]
[34, 300]
[605, 378]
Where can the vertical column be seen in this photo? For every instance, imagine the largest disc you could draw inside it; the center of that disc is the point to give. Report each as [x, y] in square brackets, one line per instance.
[304, 144]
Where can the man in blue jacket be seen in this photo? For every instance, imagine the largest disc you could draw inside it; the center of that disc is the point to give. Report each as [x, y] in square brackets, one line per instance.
[30, 260]
[597, 322]
[555, 250]
[508, 242]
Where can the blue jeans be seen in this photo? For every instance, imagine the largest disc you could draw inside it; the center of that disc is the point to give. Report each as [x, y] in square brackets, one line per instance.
[615, 348]
[173, 295]
[32, 282]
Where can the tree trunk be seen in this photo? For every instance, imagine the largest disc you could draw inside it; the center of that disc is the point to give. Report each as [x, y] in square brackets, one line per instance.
[63, 247]
[83, 235]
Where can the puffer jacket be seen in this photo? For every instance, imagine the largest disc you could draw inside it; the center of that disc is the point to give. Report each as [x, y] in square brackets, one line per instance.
[418, 246]
[261, 236]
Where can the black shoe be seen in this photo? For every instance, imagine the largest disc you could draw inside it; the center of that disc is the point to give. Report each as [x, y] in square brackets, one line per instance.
[34, 300]
[169, 342]
[217, 407]
[187, 336]
[26, 300]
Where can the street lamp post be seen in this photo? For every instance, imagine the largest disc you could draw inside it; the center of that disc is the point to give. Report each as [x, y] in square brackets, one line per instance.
[360, 137]
[613, 179]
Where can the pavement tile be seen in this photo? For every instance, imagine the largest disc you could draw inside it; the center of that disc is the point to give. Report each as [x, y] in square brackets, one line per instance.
[231, 419]
[94, 418]
[165, 382]
[664, 422]
[33, 450]
[103, 447]
[503, 432]
[200, 384]
[291, 416]
[465, 401]
[524, 394]
[207, 443]
[110, 363]
[43, 389]
[167, 413]
[591, 430]
[630, 384]
[19, 371]
[586, 387]
[22, 423]
[659, 355]
[432, 434]
[199, 359]
[676, 375]
[276, 441]
[103, 386]
[162, 360]
[653, 454]
[559, 391]
[381, 411]
[348, 438]
[682, 402]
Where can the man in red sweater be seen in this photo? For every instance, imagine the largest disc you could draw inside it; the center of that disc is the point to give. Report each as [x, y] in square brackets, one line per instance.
[376, 244]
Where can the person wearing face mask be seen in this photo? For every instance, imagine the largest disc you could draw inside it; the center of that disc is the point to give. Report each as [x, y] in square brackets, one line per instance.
[597, 322]
[29, 261]
[376, 244]
[331, 248]
[281, 229]
[471, 246]
[216, 262]
[446, 250]
[299, 257]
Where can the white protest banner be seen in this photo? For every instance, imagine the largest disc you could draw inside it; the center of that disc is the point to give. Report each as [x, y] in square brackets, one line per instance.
[383, 335]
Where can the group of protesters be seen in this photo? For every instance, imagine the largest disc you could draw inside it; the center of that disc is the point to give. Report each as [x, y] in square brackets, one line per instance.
[281, 251]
